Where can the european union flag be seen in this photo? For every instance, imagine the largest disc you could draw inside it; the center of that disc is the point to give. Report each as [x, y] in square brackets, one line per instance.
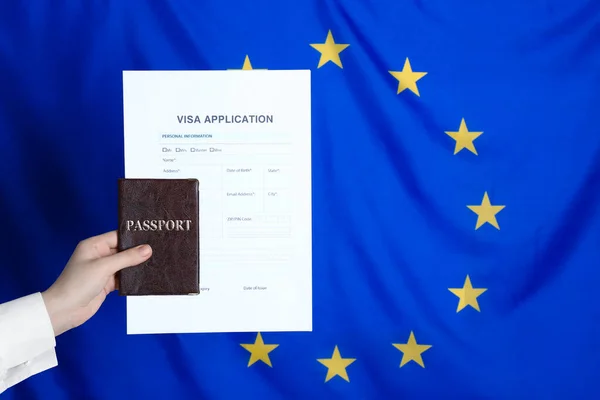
[456, 188]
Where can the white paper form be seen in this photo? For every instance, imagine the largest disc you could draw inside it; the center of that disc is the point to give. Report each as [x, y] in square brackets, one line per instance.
[246, 136]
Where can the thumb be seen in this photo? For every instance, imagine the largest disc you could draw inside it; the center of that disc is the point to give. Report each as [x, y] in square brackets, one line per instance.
[126, 258]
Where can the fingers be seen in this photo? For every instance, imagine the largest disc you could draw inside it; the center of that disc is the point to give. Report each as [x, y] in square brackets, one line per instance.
[108, 239]
[111, 285]
[126, 258]
[98, 246]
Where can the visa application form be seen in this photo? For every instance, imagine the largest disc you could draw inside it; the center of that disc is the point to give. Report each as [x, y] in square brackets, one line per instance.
[246, 136]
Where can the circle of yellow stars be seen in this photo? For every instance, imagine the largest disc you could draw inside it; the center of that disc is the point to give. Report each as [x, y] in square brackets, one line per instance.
[412, 350]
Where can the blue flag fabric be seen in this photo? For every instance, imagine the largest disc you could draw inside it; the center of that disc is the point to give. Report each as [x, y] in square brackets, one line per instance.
[456, 180]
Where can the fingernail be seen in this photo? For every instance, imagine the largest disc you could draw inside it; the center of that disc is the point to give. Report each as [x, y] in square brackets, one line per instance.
[144, 250]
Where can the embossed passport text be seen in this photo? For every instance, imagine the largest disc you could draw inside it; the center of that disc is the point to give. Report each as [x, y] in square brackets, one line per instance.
[164, 214]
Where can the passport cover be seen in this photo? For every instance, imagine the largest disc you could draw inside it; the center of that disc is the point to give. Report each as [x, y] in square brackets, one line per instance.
[163, 213]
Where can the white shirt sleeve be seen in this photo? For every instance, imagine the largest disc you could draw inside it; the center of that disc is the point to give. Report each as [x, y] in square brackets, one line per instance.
[27, 342]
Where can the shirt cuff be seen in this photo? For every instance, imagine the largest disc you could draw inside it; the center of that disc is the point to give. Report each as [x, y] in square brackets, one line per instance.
[29, 368]
[25, 331]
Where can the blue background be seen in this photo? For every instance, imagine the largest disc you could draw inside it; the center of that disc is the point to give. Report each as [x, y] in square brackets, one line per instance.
[391, 228]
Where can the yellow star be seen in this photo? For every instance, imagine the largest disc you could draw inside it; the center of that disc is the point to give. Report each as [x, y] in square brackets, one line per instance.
[467, 295]
[486, 212]
[259, 350]
[411, 350]
[247, 65]
[407, 79]
[464, 138]
[330, 51]
[336, 365]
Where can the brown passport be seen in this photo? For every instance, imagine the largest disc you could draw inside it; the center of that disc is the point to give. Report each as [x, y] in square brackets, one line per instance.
[163, 213]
